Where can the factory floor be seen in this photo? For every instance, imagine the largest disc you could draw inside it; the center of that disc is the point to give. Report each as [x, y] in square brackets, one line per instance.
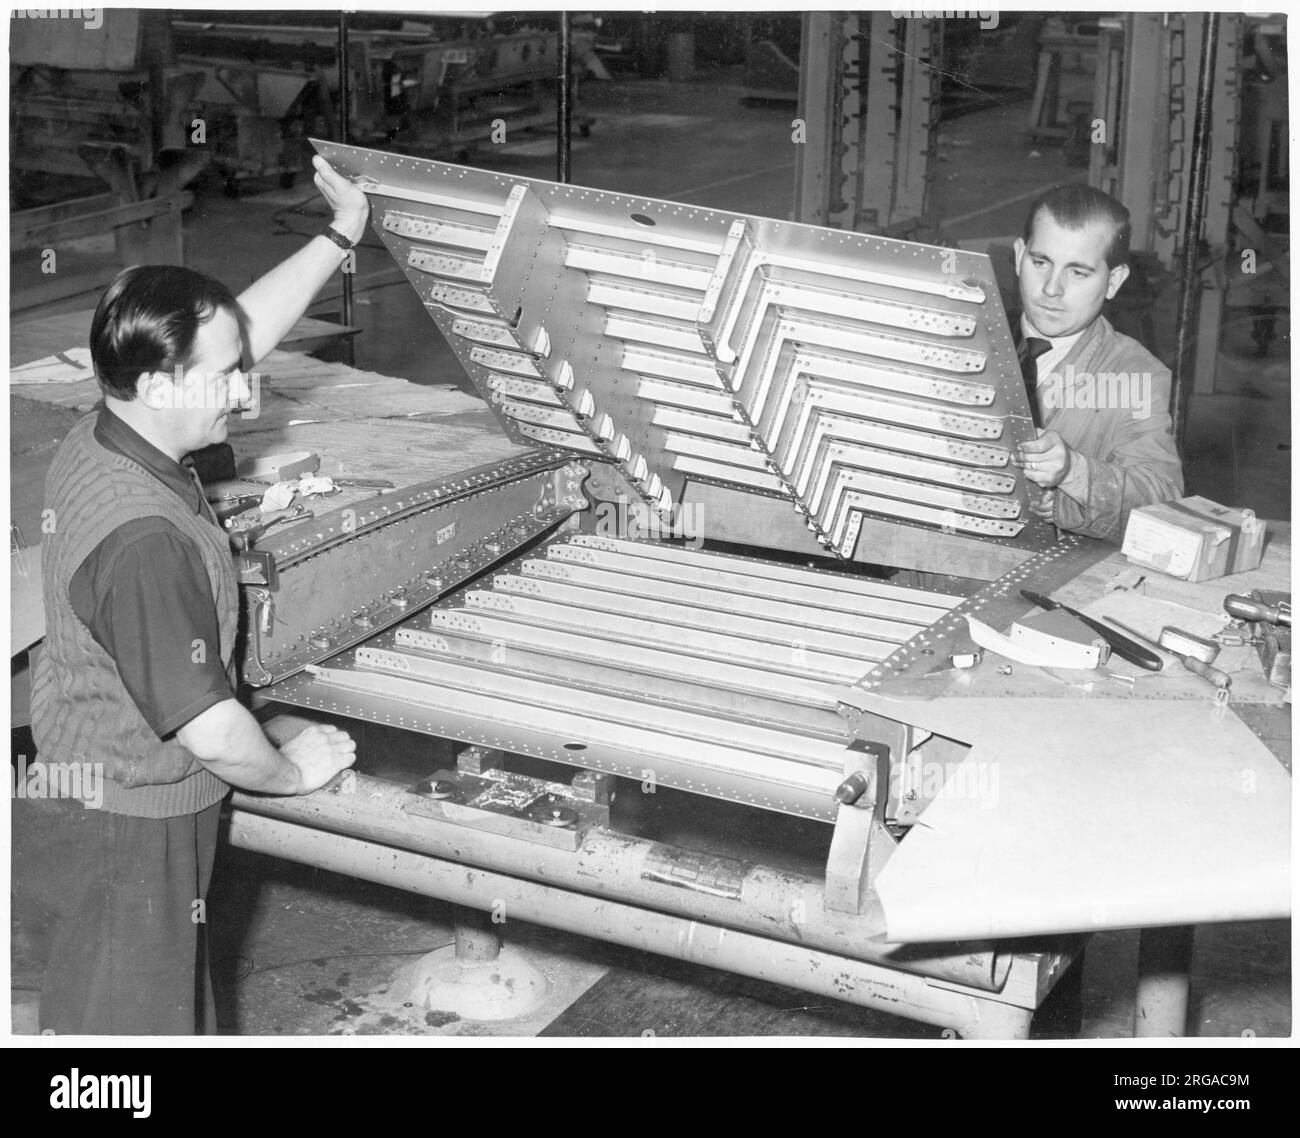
[299, 951]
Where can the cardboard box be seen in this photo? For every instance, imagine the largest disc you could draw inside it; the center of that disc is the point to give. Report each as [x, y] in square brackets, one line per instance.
[1194, 539]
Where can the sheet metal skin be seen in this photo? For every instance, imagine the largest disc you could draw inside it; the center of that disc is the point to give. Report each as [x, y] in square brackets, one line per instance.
[678, 342]
[342, 577]
[1108, 816]
[711, 673]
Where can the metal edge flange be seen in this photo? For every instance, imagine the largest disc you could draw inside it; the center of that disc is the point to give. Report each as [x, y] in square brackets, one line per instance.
[347, 523]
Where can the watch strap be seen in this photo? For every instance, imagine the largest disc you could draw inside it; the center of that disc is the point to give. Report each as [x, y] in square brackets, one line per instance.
[334, 235]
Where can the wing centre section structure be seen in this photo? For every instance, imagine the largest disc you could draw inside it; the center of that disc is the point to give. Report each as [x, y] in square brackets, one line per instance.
[851, 375]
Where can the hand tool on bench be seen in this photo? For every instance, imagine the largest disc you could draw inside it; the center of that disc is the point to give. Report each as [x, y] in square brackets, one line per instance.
[228, 506]
[1255, 610]
[1263, 620]
[364, 483]
[244, 538]
[1195, 653]
[1120, 644]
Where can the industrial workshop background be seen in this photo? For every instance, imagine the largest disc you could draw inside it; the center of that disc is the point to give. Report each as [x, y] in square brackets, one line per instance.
[186, 137]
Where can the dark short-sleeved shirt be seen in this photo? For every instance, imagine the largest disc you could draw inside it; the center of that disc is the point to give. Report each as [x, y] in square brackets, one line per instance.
[145, 597]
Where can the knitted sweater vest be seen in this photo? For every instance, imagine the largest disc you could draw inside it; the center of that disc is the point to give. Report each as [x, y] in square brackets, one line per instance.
[81, 711]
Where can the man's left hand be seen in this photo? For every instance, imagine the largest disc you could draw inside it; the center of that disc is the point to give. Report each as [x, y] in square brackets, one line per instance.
[349, 205]
[1046, 459]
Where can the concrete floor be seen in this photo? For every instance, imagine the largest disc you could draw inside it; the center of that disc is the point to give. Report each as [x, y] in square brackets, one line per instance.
[300, 951]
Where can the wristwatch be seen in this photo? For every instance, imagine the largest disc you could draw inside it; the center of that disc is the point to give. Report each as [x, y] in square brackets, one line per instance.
[334, 235]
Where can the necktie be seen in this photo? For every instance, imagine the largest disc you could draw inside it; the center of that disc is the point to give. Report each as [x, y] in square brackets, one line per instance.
[1027, 352]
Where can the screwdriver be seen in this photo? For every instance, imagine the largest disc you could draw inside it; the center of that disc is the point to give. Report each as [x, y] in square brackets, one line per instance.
[1248, 608]
[1171, 639]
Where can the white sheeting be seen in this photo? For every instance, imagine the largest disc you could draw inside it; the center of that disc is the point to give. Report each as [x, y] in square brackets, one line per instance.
[1083, 815]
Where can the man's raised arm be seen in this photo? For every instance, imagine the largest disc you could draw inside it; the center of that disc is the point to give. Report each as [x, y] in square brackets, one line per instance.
[273, 303]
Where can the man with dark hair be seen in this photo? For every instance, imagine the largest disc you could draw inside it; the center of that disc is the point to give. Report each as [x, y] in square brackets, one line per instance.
[135, 675]
[1107, 441]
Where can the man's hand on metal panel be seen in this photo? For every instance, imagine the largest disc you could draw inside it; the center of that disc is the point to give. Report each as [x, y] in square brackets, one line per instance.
[227, 740]
[1046, 459]
[319, 752]
[350, 206]
[274, 302]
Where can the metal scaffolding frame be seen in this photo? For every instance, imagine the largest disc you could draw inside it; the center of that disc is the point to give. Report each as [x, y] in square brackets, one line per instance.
[867, 89]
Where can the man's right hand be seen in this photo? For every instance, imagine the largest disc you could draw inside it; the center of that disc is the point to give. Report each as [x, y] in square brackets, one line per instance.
[319, 752]
[231, 744]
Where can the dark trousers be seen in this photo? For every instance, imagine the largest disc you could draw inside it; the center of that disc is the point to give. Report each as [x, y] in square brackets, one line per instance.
[129, 956]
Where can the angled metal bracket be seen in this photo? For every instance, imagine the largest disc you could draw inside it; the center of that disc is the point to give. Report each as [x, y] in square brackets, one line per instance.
[861, 844]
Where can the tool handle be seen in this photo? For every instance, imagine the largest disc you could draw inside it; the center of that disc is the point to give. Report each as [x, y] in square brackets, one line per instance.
[1121, 645]
[1247, 608]
[1216, 676]
[365, 483]
[244, 539]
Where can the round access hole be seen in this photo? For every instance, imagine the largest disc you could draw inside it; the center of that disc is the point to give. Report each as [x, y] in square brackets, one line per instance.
[641, 219]
[575, 746]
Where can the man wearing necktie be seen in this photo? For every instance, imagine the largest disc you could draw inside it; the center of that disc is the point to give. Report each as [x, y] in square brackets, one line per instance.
[1105, 443]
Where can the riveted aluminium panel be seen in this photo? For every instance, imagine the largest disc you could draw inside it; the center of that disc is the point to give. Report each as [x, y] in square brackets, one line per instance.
[712, 673]
[677, 342]
[361, 568]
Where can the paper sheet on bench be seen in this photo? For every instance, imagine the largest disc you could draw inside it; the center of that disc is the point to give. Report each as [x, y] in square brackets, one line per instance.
[1090, 815]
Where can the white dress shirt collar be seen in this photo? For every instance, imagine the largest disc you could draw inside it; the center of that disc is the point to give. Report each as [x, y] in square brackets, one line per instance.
[1060, 348]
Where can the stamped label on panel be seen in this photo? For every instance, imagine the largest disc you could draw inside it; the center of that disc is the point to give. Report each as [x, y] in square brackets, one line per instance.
[705, 873]
[446, 533]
